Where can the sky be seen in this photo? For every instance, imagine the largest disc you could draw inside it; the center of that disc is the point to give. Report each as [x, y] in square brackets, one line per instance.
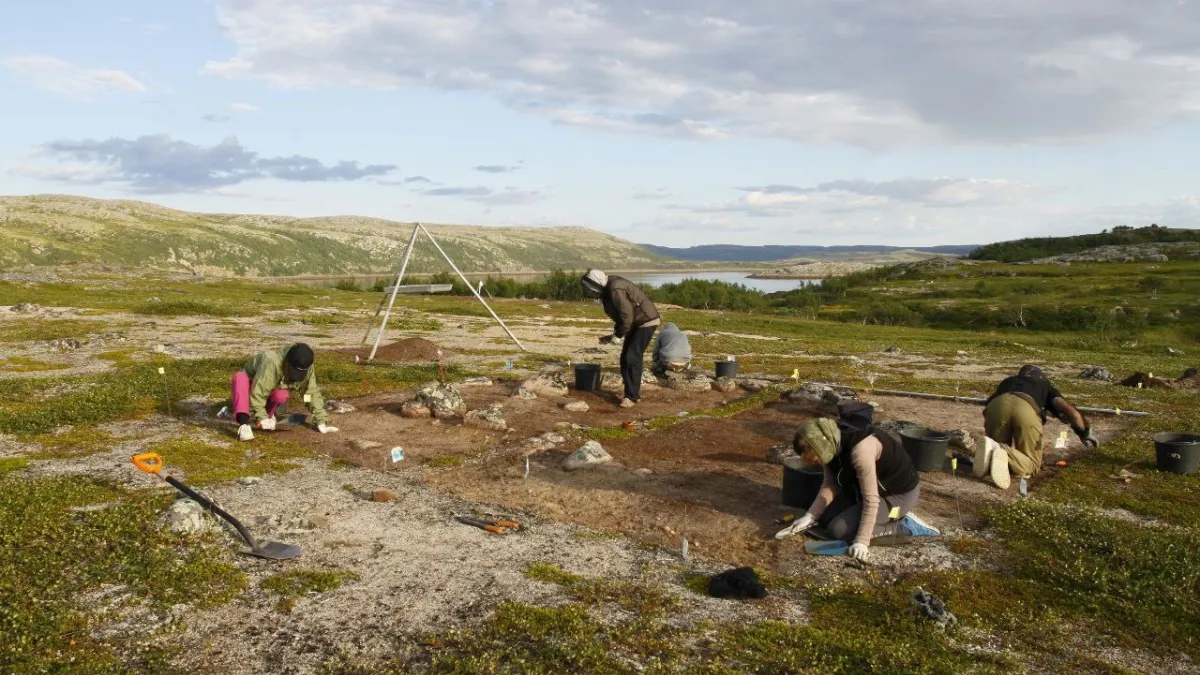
[671, 122]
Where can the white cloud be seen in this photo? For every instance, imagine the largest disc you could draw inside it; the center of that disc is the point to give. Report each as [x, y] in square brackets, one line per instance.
[510, 196]
[243, 107]
[876, 74]
[64, 78]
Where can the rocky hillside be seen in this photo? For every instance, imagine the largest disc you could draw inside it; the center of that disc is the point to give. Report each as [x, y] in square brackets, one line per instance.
[820, 269]
[1163, 252]
[53, 229]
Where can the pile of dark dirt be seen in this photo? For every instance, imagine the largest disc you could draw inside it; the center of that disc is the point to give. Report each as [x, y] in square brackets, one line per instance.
[407, 350]
[1145, 381]
[1189, 380]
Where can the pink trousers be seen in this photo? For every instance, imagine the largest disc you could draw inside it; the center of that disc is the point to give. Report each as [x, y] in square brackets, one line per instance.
[241, 395]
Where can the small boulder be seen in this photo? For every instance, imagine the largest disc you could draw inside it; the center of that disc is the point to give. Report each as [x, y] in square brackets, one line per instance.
[649, 381]
[963, 440]
[363, 445]
[546, 384]
[185, 516]
[249, 481]
[814, 393]
[384, 496]
[65, 344]
[525, 394]
[1097, 373]
[476, 382]
[338, 407]
[442, 400]
[26, 308]
[895, 351]
[576, 406]
[415, 409]
[725, 385]
[491, 417]
[753, 385]
[698, 382]
[780, 453]
[611, 382]
[588, 455]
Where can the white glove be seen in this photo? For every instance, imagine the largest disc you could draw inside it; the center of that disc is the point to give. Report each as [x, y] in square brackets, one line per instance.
[267, 424]
[805, 522]
[616, 340]
[325, 428]
[245, 433]
[859, 552]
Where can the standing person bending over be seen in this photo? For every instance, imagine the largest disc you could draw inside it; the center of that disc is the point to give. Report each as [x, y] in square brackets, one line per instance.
[1013, 421]
[867, 475]
[634, 320]
[266, 383]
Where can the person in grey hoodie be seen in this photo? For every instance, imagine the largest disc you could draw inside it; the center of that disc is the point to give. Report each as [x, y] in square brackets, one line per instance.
[672, 352]
[635, 318]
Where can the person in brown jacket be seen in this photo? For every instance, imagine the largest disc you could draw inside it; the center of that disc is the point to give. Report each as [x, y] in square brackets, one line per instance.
[635, 318]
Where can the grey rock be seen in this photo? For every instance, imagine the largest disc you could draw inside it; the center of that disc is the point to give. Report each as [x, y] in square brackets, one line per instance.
[66, 344]
[476, 382]
[576, 406]
[725, 384]
[545, 441]
[570, 426]
[780, 453]
[491, 417]
[415, 409]
[697, 382]
[1097, 373]
[588, 455]
[611, 382]
[26, 308]
[185, 516]
[929, 606]
[643, 472]
[814, 393]
[249, 481]
[338, 407]
[753, 385]
[962, 439]
[1174, 352]
[893, 350]
[524, 393]
[546, 384]
[363, 445]
[442, 400]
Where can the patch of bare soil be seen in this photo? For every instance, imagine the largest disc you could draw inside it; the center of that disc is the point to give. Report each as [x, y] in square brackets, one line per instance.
[407, 350]
[707, 480]
[377, 420]
[1144, 381]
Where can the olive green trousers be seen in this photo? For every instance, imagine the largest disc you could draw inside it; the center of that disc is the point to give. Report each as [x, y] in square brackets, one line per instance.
[1011, 420]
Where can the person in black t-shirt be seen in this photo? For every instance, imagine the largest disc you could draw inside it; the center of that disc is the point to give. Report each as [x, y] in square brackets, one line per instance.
[1013, 421]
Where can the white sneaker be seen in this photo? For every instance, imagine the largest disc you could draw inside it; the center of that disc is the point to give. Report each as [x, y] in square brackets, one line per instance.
[245, 433]
[999, 467]
[628, 403]
[984, 447]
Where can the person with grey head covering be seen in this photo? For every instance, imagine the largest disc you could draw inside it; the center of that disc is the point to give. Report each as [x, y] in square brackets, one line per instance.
[635, 318]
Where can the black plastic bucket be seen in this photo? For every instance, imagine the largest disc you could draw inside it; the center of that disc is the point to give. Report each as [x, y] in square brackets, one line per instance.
[800, 486]
[587, 376]
[1177, 453]
[727, 368]
[926, 448]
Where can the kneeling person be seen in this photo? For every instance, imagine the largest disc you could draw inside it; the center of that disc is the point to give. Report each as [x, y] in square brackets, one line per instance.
[265, 384]
[672, 352]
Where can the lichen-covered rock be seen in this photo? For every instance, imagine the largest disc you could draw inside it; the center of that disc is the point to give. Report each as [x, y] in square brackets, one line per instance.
[725, 385]
[476, 382]
[185, 516]
[26, 308]
[588, 455]
[491, 417]
[415, 409]
[611, 382]
[1097, 373]
[752, 384]
[780, 453]
[545, 441]
[814, 393]
[576, 406]
[442, 400]
[698, 382]
[962, 439]
[338, 407]
[65, 344]
[525, 394]
[546, 384]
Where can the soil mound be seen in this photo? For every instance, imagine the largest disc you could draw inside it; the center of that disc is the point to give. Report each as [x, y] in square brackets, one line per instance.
[1146, 381]
[404, 351]
[1189, 380]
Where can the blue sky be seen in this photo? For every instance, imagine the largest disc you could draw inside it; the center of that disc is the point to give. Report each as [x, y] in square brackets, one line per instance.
[661, 121]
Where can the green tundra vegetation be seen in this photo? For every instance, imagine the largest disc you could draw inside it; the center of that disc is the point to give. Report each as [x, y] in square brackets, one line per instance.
[1021, 250]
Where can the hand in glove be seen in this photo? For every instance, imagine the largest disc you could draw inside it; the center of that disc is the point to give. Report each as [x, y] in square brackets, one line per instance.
[245, 433]
[797, 527]
[325, 428]
[267, 424]
[1089, 438]
[859, 552]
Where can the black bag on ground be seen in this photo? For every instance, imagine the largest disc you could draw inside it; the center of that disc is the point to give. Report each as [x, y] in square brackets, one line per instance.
[737, 583]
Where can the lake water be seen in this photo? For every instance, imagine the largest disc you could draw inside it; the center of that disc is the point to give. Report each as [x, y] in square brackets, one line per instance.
[651, 278]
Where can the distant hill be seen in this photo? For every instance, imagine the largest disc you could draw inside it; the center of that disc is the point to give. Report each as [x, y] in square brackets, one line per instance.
[1023, 250]
[730, 252]
[54, 229]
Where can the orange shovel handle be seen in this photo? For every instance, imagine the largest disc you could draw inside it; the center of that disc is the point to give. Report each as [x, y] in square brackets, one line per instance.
[150, 462]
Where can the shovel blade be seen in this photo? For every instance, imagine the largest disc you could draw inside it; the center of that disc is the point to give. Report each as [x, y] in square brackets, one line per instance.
[826, 547]
[274, 550]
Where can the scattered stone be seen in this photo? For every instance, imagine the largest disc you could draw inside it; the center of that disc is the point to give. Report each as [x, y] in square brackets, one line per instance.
[1097, 373]
[476, 382]
[337, 407]
[963, 440]
[162, 349]
[780, 453]
[698, 382]
[961, 353]
[363, 445]
[576, 406]
[305, 523]
[1174, 352]
[442, 400]
[544, 306]
[814, 393]
[893, 350]
[725, 385]
[415, 409]
[1129, 345]
[249, 481]
[491, 417]
[546, 384]
[570, 426]
[753, 385]
[643, 472]
[65, 344]
[931, 607]
[524, 393]
[384, 496]
[154, 299]
[589, 454]
[649, 380]
[185, 516]
[611, 382]
[542, 443]
[26, 308]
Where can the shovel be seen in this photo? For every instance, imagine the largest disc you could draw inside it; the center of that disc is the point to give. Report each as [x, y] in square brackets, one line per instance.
[151, 463]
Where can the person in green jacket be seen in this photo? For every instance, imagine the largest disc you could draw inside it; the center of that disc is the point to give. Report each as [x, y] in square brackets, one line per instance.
[266, 383]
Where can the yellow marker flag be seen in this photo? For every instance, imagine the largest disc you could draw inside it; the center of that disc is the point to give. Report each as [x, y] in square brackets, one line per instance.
[894, 514]
[1118, 412]
[796, 374]
[308, 398]
[954, 464]
[162, 371]
[1063, 435]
